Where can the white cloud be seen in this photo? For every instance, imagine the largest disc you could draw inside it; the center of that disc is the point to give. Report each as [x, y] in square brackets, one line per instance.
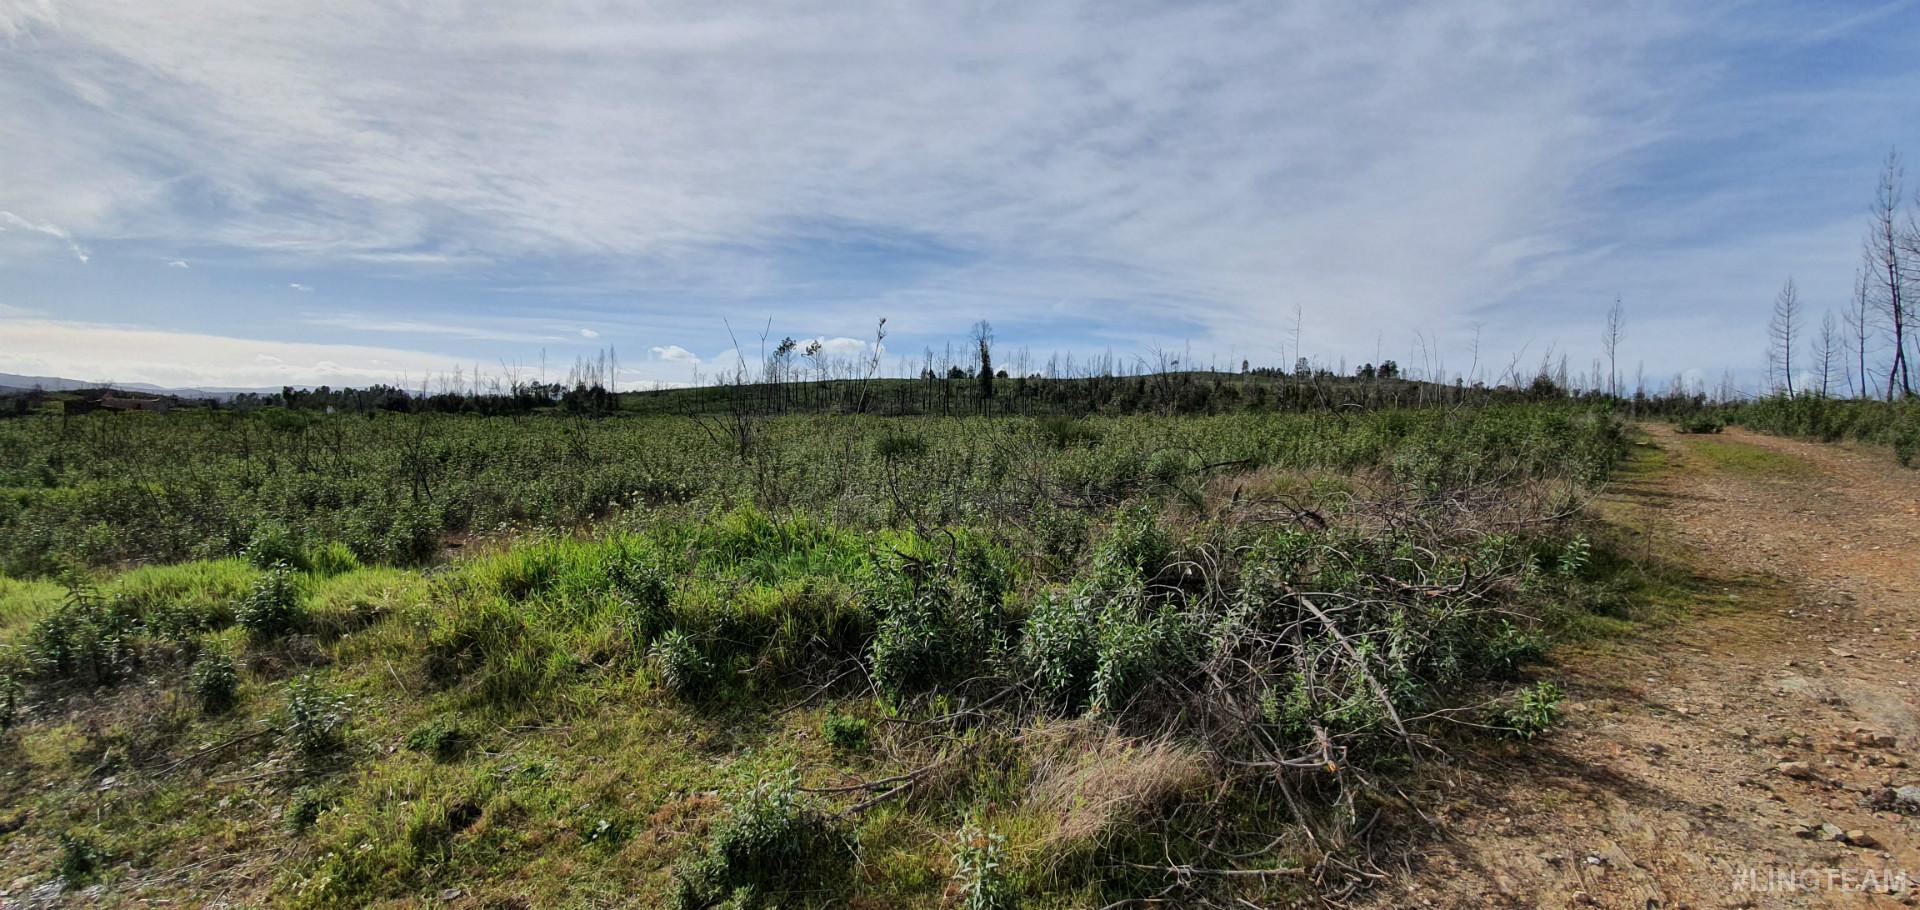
[842, 348]
[91, 351]
[299, 287]
[674, 353]
[467, 329]
[1221, 162]
[589, 333]
[51, 230]
[1149, 170]
[178, 264]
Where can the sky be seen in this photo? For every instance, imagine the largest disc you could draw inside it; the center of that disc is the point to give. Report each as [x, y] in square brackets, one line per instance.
[271, 192]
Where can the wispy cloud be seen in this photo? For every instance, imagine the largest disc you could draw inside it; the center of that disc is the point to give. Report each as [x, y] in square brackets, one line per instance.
[299, 287]
[178, 264]
[467, 330]
[589, 333]
[9, 219]
[1156, 171]
[133, 354]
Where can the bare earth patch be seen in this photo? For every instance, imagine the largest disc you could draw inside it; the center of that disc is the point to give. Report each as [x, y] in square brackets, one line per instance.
[1702, 758]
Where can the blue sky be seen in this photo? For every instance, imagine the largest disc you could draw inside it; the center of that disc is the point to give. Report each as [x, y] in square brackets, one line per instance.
[244, 195]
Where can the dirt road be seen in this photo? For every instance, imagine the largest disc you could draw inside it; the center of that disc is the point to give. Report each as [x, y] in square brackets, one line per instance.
[1702, 757]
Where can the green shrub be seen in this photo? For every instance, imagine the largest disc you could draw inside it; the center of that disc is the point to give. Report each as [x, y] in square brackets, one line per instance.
[906, 651]
[87, 639]
[846, 732]
[1065, 432]
[1167, 466]
[274, 545]
[1530, 712]
[1133, 649]
[513, 658]
[316, 719]
[646, 591]
[772, 841]
[413, 538]
[1507, 650]
[980, 871]
[1060, 649]
[215, 683]
[1574, 556]
[899, 447]
[441, 738]
[1134, 544]
[273, 608]
[305, 809]
[677, 660]
[79, 859]
[936, 621]
[1701, 423]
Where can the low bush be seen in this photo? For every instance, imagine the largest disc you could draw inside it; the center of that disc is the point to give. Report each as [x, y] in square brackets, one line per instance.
[80, 858]
[980, 872]
[214, 682]
[846, 732]
[275, 544]
[772, 842]
[305, 809]
[273, 608]
[1530, 712]
[316, 719]
[678, 663]
[88, 639]
[1701, 423]
[441, 738]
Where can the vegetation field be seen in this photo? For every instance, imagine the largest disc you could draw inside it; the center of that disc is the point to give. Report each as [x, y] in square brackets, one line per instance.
[294, 659]
[1887, 423]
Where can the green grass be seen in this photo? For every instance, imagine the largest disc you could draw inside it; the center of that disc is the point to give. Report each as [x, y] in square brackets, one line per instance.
[821, 578]
[1746, 459]
[22, 602]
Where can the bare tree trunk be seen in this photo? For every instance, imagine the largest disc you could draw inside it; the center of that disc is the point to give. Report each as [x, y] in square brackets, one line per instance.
[1786, 319]
[1885, 252]
[1611, 341]
[1824, 351]
[1857, 321]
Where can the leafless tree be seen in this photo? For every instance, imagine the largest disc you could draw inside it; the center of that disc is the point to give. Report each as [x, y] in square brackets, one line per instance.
[983, 342]
[1857, 341]
[1610, 341]
[1825, 348]
[1888, 256]
[1785, 323]
[1299, 321]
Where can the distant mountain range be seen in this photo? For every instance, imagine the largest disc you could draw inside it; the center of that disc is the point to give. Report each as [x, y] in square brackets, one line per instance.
[17, 382]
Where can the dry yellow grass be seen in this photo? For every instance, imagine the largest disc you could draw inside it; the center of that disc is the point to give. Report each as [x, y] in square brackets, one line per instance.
[1089, 780]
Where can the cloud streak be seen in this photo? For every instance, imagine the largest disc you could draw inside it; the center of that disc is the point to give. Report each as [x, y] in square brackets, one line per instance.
[96, 351]
[9, 219]
[1132, 173]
